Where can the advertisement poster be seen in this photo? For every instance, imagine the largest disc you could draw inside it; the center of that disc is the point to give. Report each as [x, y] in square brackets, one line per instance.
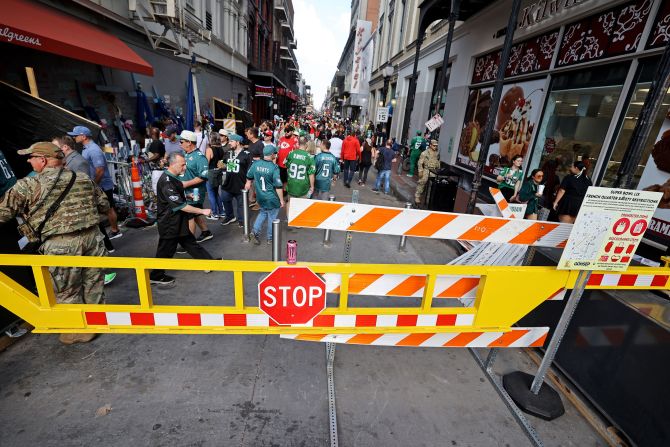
[517, 118]
[656, 177]
[608, 229]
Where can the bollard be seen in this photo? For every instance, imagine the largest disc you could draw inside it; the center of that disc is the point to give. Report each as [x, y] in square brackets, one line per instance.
[326, 233]
[403, 239]
[276, 240]
[245, 212]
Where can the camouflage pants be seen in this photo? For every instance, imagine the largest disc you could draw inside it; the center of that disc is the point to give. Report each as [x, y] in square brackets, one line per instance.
[77, 285]
[421, 185]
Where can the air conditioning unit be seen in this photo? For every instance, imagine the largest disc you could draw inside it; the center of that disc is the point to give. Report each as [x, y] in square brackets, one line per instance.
[164, 8]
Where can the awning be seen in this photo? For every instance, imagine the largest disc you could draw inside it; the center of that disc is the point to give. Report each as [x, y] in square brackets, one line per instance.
[41, 28]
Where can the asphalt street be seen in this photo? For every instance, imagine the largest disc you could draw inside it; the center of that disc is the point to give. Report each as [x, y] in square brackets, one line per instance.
[233, 390]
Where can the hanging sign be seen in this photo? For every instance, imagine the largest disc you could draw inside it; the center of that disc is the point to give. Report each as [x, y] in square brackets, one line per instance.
[608, 229]
[263, 91]
[435, 122]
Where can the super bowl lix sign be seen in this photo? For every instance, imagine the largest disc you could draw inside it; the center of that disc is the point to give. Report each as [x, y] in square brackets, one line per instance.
[292, 295]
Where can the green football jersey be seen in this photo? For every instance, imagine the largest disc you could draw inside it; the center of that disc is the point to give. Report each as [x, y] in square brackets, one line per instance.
[300, 166]
[326, 166]
[265, 175]
[416, 143]
[196, 166]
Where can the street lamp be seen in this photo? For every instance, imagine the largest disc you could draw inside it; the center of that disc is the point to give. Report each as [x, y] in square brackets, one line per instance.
[387, 72]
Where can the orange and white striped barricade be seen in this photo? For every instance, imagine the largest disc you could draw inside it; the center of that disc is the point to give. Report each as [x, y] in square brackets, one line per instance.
[361, 218]
[509, 210]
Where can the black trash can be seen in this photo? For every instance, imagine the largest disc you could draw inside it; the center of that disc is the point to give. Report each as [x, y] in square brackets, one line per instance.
[441, 194]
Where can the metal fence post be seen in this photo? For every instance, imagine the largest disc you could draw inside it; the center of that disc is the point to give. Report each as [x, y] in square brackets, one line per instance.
[276, 240]
[326, 233]
[245, 212]
[403, 239]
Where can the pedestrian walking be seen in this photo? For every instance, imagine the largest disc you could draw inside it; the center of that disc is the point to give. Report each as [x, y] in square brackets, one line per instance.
[530, 193]
[99, 172]
[195, 182]
[264, 174]
[368, 153]
[214, 154]
[236, 163]
[510, 179]
[384, 163]
[351, 152]
[171, 141]
[416, 146]
[326, 167]
[429, 159]
[61, 210]
[572, 192]
[287, 143]
[173, 217]
[301, 171]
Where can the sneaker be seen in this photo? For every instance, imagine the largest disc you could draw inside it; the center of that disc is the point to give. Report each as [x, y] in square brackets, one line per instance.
[255, 239]
[165, 279]
[269, 242]
[204, 236]
[109, 277]
[240, 224]
[213, 217]
[227, 220]
[255, 207]
[115, 234]
[375, 190]
[252, 204]
[181, 251]
[111, 250]
[410, 175]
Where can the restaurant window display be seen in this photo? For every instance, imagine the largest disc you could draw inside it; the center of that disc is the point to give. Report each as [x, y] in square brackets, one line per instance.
[578, 113]
[638, 94]
[516, 120]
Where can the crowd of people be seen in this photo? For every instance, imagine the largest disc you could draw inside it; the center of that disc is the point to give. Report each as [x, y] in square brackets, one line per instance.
[63, 202]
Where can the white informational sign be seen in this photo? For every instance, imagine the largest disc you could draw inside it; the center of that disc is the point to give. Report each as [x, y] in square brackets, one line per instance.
[608, 229]
[382, 114]
[435, 122]
[363, 28]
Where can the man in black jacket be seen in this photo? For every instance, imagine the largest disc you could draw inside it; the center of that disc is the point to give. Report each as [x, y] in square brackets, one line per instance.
[173, 217]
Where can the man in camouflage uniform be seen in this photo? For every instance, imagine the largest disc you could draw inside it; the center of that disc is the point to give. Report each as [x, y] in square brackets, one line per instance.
[72, 229]
[429, 159]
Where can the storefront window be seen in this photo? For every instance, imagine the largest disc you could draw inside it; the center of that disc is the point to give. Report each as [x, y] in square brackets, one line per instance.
[645, 75]
[580, 108]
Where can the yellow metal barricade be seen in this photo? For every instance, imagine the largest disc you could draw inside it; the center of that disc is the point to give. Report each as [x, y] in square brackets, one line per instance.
[503, 295]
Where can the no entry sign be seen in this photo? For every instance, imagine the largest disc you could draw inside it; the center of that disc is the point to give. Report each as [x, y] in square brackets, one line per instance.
[292, 295]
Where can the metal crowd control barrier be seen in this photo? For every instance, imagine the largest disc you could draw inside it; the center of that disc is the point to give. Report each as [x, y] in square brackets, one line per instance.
[487, 323]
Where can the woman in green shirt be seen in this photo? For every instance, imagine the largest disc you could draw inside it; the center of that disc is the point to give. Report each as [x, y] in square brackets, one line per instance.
[509, 179]
[530, 194]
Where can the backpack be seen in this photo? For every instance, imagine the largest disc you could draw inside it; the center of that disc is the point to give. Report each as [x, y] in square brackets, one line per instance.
[379, 163]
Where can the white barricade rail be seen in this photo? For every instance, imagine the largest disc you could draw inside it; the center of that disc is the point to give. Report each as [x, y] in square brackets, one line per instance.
[420, 223]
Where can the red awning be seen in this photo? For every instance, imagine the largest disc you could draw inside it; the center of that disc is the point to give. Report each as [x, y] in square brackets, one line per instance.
[41, 28]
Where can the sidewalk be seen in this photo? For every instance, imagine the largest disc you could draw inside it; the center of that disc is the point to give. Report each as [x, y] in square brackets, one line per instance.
[259, 390]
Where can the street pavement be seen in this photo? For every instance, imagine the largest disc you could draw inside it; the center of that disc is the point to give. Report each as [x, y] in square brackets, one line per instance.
[234, 390]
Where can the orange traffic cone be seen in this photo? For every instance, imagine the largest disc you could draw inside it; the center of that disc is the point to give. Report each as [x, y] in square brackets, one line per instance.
[140, 211]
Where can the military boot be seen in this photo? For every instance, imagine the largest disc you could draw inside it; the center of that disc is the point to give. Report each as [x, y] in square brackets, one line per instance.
[70, 339]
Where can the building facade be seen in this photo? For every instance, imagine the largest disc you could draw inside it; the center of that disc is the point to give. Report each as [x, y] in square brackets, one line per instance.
[165, 35]
[348, 93]
[273, 67]
[576, 81]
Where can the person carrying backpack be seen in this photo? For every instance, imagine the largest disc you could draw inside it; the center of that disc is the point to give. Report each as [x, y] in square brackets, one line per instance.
[385, 158]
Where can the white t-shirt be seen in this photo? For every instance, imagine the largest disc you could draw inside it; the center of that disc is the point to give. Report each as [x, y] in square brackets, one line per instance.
[201, 142]
[336, 147]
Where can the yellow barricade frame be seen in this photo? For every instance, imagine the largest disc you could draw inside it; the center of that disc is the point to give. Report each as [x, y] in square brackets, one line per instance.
[494, 310]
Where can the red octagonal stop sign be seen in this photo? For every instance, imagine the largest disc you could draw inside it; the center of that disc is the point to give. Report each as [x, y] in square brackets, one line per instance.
[292, 295]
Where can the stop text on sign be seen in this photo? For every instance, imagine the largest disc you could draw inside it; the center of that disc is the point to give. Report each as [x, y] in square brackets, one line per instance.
[292, 295]
[297, 296]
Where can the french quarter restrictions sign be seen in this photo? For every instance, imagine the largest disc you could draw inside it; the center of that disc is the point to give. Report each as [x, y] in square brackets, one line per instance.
[292, 295]
[608, 229]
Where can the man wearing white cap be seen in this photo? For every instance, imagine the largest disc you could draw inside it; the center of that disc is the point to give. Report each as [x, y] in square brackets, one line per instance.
[195, 182]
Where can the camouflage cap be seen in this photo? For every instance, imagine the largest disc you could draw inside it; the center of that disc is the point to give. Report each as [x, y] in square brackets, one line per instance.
[44, 148]
[433, 142]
